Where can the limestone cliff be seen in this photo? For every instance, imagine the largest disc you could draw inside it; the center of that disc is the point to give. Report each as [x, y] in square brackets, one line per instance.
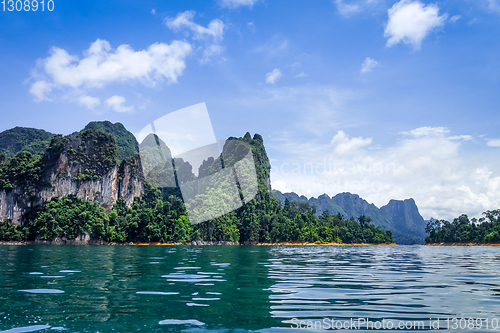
[85, 165]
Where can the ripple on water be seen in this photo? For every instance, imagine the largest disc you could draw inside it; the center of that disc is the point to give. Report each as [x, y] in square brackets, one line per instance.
[36, 273]
[196, 304]
[224, 264]
[52, 276]
[181, 322]
[69, 271]
[157, 293]
[27, 329]
[43, 291]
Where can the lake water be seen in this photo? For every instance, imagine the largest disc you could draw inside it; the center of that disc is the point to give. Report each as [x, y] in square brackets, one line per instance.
[247, 288]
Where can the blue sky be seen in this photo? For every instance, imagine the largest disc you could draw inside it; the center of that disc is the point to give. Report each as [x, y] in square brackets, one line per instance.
[387, 99]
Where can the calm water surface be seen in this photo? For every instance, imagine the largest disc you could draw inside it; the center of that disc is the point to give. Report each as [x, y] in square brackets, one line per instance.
[245, 288]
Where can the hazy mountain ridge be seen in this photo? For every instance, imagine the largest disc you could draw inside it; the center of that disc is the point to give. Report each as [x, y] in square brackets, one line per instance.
[401, 217]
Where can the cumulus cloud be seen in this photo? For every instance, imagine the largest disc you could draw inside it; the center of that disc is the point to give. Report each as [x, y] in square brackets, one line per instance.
[273, 76]
[428, 164]
[493, 143]
[211, 35]
[368, 65]
[103, 65]
[411, 21]
[494, 5]
[215, 28]
[41, 90]
[428, 131]
[88, 101]
[346, 9]
[345, 145]
[236, 3]
[117, 103]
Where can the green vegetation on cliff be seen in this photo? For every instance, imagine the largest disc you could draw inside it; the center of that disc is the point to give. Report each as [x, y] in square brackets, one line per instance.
[24, 170]
[159, 217]
[19, 139]
[401, 217]
[125, 141]
[462, 230]
[92, 152]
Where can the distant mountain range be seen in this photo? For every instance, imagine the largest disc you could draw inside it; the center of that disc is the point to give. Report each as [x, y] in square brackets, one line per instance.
[401, 217]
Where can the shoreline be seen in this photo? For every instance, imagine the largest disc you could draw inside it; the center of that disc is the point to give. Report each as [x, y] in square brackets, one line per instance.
[226, 243]
[194, 243]
[462, 244]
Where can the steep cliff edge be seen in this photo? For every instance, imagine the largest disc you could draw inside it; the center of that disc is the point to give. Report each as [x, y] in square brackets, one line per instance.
[85, 165]
[405, 216]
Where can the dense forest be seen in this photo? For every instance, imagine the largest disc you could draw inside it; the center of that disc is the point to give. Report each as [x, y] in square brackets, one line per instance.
[462, 230]
[153, 218]
[159, 215]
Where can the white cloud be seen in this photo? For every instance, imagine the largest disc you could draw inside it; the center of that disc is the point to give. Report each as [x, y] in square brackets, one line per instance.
[103, 65]
[275, 47]
[368, 65]
[427, 131]
[41, 90]
[301, 74]
[347, 9]
[345, 145]
[493, 143]
[88, 101]
[273, 76]
[411, 21]
[455, 18]
[236, 3]
[153, 11]
[494, 5]
[210, 51]
[427, 164]
[211, 35]
[460, 137]
[215, 28]
[117, 103]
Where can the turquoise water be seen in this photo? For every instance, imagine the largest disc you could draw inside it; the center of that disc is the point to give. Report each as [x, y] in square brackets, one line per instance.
[246, 288]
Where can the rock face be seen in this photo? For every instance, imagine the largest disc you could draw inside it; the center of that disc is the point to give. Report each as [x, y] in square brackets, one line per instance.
[405, 215]
[401, 217]
[78, 166]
